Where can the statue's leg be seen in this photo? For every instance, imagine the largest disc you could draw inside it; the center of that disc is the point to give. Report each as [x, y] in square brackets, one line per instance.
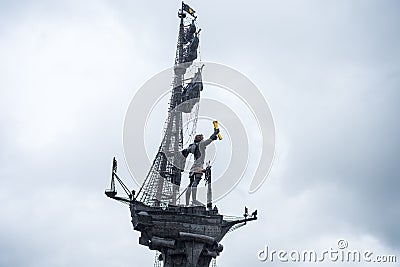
[189, 189]
[197, 178]
[194, 194]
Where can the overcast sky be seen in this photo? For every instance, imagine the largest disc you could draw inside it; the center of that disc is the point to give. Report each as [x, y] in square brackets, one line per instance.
[330, 71]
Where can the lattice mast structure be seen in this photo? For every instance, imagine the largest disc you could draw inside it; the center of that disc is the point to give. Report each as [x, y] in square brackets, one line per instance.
[164, 177]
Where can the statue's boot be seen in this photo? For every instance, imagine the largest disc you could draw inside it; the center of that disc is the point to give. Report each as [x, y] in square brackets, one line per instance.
[194, 194]
[195, 202]
[188, 191]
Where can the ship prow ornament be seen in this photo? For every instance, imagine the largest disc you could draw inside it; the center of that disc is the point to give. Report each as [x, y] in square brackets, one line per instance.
[189, 234]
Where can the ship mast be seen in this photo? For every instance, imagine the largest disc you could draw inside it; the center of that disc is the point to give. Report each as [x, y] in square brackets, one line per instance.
[162, 183]
[173, 135]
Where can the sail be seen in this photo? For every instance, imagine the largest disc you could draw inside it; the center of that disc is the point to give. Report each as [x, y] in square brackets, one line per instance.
[191, 93]
[192, 40]
[189, 33]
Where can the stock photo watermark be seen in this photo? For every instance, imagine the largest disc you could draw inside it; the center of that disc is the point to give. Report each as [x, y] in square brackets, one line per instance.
[341, 253]
[227, 95]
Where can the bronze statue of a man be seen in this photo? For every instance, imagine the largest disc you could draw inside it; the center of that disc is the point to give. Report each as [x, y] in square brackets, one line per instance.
[198, 149]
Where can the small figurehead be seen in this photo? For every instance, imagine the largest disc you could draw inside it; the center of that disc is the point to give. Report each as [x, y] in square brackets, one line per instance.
[198, 149]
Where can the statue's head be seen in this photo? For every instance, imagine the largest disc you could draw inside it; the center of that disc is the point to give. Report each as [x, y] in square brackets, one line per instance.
[198, 138]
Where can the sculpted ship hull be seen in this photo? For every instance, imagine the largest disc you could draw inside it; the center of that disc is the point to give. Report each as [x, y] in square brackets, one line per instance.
[184, 235]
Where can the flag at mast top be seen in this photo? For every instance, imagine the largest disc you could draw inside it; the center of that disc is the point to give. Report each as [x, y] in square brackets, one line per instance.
[188, 9]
